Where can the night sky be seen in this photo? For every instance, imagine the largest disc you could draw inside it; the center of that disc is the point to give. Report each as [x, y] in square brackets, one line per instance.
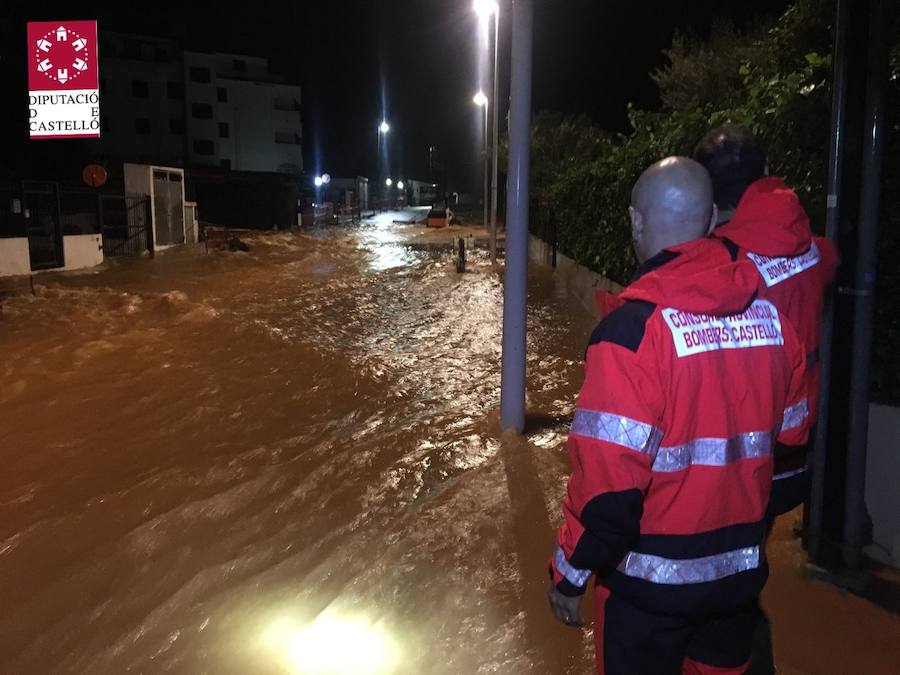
[415, 59]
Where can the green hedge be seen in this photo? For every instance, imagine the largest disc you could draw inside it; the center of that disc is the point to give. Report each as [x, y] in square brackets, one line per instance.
[777, 83]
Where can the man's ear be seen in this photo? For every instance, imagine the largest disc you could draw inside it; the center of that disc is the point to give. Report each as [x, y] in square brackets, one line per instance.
[714, 220]
[637, 223]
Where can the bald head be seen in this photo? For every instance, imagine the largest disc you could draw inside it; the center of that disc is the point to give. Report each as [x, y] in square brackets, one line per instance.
[671, 203]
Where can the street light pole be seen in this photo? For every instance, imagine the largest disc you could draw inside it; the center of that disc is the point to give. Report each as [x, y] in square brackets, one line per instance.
[496, 137]
[485, 9]
[515, 287]
[482, 100]
[487, 176]
[381, 134]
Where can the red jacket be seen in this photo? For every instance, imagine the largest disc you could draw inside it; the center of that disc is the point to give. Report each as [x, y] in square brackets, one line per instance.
[687, 387]
[772, 230]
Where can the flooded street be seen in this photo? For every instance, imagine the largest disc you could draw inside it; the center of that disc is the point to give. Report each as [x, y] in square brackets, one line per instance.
[281, 461]
[288, 461]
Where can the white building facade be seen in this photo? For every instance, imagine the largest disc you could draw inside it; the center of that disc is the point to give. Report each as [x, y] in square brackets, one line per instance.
[160, 105]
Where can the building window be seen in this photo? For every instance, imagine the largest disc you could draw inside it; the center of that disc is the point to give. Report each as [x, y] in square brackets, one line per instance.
[175, 90]
[222, 94]
[225, 163]
[204, 147]
[142, 125]
[176, 126]
[223, 130]
[201, 111]
[287, 104]
[140, 88]
[287, 138]
[132, 49]
[103, 86]
[239, 65]
[199, 74]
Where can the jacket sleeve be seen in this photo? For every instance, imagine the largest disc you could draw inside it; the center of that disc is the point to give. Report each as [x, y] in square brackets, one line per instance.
[791, 480]
[831, 258]
[614, 438]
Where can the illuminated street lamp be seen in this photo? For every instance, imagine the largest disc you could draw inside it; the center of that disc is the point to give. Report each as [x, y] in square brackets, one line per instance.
[400, 185]
[388, 182]
[318, 181]
[485, 8]
[384, 127]
[480, 99]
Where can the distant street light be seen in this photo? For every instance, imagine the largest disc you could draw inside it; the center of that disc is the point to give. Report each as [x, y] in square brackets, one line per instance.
[400, 185]
[480, 99]
[318, 181]
[326, 178]
[384, 127]
[388, 182]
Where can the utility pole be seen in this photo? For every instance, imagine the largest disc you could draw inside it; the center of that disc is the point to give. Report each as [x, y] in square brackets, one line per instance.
[816, 525]
[875, 130]
[515, 291]
[496, 136]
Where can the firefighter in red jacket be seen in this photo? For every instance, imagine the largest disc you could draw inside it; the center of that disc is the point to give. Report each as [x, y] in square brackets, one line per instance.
[688, 387]
[763, 218]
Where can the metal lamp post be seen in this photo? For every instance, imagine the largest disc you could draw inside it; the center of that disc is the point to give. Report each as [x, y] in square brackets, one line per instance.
[515, 287]
[482, 101]
[485, 9]
[380, 135]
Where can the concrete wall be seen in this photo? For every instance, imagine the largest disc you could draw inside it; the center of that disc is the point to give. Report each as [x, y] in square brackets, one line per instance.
[82, 250]
[581, 282]
[14, 258]
[883, 480]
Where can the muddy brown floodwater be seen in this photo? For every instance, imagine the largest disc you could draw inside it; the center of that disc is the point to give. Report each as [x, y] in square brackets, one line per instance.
[281, 461]
[288, 461]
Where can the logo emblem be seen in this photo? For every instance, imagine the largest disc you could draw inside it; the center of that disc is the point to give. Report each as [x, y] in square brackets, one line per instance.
[61, 55]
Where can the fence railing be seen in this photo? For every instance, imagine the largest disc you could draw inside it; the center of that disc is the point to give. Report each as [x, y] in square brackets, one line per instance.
[123, 220]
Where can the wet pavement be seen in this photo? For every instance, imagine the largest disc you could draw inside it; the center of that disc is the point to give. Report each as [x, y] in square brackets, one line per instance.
[288, 461]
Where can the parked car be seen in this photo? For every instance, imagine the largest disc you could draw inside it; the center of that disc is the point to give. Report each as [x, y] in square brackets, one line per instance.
[439, 217]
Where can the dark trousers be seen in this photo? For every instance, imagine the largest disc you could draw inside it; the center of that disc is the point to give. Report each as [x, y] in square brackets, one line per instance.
[763, 657]
[631, 641]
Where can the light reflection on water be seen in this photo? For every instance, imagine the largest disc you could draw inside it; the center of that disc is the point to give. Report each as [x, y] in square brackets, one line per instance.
[186, 436]
[385, 245]
[331, 645]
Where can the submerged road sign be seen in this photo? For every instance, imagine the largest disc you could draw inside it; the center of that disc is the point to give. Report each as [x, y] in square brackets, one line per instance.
[63, 79]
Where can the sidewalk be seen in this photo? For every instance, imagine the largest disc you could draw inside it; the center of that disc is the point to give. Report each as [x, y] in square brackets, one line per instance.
[819, 629]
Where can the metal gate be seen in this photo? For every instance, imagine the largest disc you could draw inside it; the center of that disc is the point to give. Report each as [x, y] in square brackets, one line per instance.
[42, 224]
[168, 206]
[126, 225]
